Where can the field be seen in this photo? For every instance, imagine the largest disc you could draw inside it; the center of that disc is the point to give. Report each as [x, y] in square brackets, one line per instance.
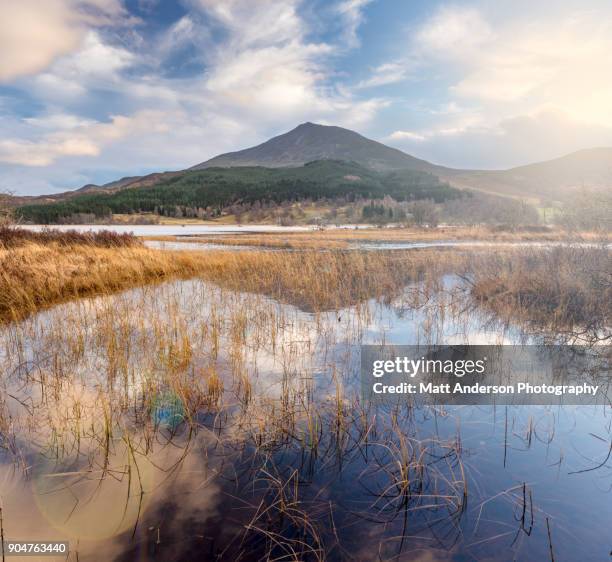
[206, 405]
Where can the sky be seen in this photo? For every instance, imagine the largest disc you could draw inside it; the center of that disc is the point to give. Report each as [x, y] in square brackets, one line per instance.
[93, 90]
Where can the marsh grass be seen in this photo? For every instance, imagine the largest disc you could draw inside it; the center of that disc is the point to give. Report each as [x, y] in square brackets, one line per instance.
[566, 290]
[35, 275]
[101, 386]
[12, 237]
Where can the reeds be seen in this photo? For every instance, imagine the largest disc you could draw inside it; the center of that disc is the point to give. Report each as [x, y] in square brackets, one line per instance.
[12, 237]
[157, 366]
[34, 275]
[567, 290]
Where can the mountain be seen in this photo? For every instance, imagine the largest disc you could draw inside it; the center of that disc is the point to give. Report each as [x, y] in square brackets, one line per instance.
[553, 179]
[309, 142]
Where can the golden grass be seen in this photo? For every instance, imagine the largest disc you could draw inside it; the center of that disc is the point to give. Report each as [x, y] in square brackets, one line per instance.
[560, 288]
[13, 237]
[319, 281]
[34, 276]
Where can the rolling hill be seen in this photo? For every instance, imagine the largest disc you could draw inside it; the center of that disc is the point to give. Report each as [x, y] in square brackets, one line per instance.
[553, 179]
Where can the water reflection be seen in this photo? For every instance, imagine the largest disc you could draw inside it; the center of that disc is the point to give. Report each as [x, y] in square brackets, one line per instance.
[191, 244]
[185, 422]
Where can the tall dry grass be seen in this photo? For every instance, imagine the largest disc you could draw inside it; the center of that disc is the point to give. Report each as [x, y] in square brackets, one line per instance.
[104, 387]
[12, 237]
[324, 280]
[34, 275]
[565, 289]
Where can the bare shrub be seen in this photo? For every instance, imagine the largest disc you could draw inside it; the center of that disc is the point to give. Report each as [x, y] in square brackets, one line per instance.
[6, 211]
[588, 210]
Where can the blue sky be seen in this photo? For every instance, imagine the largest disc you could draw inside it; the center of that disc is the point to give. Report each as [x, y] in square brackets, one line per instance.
[92, 90]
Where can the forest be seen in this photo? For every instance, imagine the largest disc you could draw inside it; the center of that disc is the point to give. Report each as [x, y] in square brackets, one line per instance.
[218, 189]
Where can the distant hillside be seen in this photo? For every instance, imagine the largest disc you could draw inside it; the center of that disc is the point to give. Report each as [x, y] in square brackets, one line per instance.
[117, 185]
[553, 179]
[219, 188]
[309, 142]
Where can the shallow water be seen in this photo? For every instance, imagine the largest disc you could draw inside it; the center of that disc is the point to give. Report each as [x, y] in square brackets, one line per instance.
[472, 244]
[372, 246]
[186, 422]
[196, 246]
[185, 229]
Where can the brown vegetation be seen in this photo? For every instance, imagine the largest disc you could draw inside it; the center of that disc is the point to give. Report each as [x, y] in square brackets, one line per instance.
[322, 281]
[34, 275]
[104, 387]
[11, 237]
[567, 290]
[559, 288]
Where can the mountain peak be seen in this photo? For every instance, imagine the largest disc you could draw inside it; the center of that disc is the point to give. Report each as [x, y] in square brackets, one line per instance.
[308, 125]
[312, 141]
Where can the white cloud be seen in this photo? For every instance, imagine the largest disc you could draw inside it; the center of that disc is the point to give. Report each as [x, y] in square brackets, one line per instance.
[252, 24]
[75, 137]
[266, 71]
[387, 73]
[510, 142]
[454, 32]
[183, 32]
[406, 135]
[519, 85]
[43, 153]
[450, 33]
[563, 64]
[95, 64]
[58, 121]
[519, 65]
[351, 11]
[33, 33]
